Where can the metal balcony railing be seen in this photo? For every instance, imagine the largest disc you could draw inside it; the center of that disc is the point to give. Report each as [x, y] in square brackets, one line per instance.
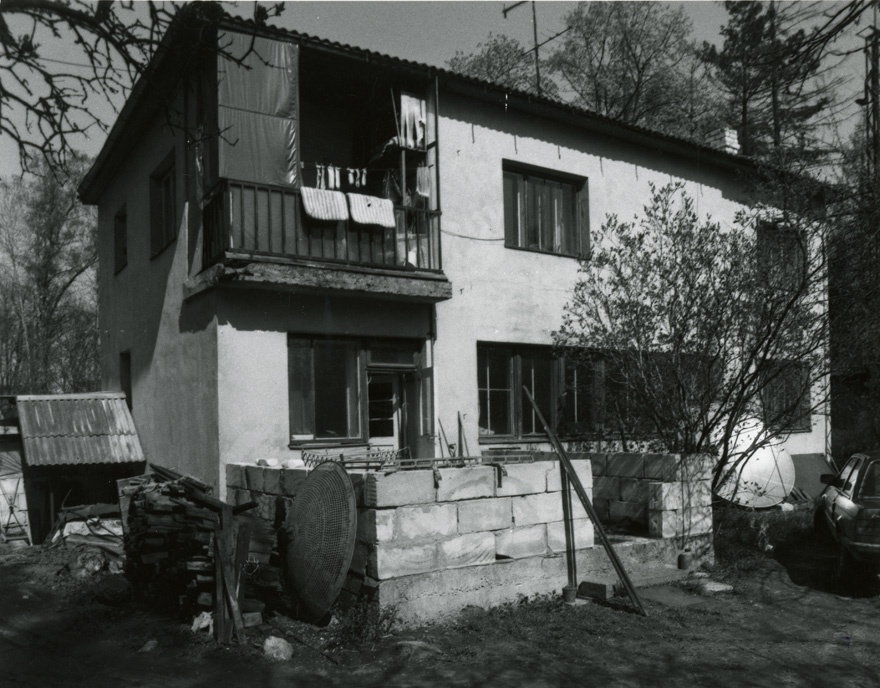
[262, 219]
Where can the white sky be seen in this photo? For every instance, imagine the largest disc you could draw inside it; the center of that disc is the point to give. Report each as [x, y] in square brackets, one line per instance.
[428, 32]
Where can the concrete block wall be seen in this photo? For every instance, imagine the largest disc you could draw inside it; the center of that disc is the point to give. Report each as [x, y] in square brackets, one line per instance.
[415, 522]
[473, 528]
[666, 495]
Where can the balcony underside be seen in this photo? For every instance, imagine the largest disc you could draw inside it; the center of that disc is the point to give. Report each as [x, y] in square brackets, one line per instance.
[240, 270]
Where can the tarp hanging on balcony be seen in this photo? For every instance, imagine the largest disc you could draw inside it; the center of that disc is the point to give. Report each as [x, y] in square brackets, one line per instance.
[257, 109]
[370, 210]
[322, 204]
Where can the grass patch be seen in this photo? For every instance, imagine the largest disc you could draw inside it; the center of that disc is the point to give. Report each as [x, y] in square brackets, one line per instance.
[363, 624]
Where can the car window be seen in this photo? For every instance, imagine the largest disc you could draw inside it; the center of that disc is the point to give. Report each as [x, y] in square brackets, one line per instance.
[850, 473]
[871, 483]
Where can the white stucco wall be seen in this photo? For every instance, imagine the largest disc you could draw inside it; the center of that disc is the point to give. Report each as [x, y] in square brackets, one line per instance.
[141, 309]
[515, 296]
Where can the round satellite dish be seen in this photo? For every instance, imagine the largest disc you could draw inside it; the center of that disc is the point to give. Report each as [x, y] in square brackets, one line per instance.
[321, 528]
[763, 479]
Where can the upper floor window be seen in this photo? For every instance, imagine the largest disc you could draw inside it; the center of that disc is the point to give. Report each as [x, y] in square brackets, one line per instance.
[120, 240]
[782, 255]
[545, 211]
[163, 225]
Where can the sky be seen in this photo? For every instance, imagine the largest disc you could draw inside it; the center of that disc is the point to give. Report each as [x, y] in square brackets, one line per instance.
[429, 32]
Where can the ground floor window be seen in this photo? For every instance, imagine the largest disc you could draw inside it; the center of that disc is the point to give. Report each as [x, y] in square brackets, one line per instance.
[786, 397]
[569, 394]
[352, 391]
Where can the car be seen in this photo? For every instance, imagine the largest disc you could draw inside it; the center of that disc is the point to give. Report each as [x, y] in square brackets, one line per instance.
[849, 510]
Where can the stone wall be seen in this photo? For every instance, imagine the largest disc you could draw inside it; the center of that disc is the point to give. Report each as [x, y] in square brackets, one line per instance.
[430, 542]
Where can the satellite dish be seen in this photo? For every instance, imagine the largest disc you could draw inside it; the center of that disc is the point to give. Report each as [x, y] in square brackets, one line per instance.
[763, 479]
[321, 529]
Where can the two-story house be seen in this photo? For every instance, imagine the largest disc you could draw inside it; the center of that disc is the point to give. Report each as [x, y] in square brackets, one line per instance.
[306, 246]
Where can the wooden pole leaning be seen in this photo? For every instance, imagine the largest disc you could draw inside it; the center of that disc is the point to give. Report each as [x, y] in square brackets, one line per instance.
[588, 506]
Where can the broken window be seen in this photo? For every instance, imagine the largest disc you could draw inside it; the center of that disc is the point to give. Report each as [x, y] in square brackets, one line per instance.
[545, 213]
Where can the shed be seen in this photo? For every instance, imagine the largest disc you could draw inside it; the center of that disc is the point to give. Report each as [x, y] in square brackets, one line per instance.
[74, 447]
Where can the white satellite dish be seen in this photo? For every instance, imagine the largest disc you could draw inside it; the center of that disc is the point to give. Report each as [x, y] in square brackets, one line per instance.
[763, 479]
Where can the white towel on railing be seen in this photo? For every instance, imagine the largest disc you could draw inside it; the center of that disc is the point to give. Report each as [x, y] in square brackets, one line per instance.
[370, 210]
[323, 204]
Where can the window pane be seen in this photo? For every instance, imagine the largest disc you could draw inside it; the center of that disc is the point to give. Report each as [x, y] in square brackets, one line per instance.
[336, 390]
[299, 368]
[494, 382]
[533, 214]
[511, 208]
[380, 392]
[536, 375]
[499, 412]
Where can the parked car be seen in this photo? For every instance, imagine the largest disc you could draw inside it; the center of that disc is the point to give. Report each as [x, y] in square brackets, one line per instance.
[849, 509]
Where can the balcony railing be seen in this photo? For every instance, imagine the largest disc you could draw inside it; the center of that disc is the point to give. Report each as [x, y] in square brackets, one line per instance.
[269, 220]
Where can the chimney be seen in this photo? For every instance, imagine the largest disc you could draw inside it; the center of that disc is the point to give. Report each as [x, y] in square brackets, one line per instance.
[725, 140]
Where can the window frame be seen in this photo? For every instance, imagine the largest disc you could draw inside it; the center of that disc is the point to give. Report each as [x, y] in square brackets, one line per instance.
[364, 365]
[163, 228]
[517, 405]
[801, 420]
[580, 210]
[777, 235]
[120, 240]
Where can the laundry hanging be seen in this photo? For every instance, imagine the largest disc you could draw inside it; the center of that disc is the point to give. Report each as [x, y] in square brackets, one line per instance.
[423, 181]
[370, 210]
[412, 121]
[323, 204]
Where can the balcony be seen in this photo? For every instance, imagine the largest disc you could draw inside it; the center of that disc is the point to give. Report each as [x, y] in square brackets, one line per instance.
[266, 227]
[264, 220]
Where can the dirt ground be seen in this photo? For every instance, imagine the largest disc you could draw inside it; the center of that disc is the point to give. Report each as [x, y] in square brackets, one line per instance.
[783, 626]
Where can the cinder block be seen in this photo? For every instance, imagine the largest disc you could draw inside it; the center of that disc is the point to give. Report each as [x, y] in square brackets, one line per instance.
[539, 508]
[678, 495]
[583, 535]
[682, 522]
[664, 496]
[634, 490]
[272, 480]
[359, 558]
[399, 489]
[375, 525]
[466, 550]
[428, 522]
[235, 476]
[606, 487]
[524, 478]
[625, 465]
[516, 543]
[254, 478]
[602, 509]
[484, 514]
[599, 463]
[291, 480]
[635, 512]
[239, 496]
[673, 467]
[582, 468]
[468, 482]
[390, 561]
[267, 507]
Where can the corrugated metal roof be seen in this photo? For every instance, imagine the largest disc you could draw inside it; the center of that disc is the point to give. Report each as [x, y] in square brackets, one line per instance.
[10, 456]
[92, 428]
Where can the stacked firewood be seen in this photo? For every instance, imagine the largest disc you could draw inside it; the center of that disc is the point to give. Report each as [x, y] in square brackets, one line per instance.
[189, 549]
[170, 544]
